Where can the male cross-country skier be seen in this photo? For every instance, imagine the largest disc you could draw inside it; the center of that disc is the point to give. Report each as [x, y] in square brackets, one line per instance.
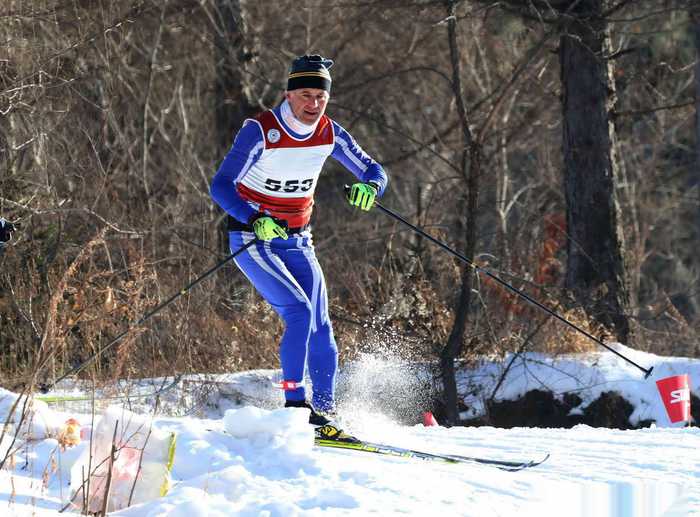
[266, 184]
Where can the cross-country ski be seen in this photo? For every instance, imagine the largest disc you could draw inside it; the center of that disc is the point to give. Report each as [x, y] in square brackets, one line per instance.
[390, 450]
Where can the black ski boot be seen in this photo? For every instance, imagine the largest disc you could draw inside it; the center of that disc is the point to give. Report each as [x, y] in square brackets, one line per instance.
[326, 428]
[316, 419]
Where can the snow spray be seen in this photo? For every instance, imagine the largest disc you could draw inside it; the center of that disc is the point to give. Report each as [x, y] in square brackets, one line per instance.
[675, 393]
[384, 386]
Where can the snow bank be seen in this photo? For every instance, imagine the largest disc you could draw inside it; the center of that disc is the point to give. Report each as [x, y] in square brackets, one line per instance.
[258, 462]
[287, 429]
[249, 465]
[140, 467]
[586, 375]
[38, 422]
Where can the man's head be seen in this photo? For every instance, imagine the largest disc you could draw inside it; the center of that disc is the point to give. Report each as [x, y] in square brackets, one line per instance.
[309, 87]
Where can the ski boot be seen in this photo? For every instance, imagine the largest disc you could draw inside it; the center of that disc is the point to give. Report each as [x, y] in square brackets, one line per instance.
[325, 426]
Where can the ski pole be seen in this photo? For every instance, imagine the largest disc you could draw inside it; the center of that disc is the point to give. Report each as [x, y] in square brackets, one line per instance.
[647, 372]
[44, 388]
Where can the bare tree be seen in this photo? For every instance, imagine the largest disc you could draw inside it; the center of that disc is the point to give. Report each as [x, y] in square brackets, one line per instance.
[470, 168]
[595, 249]
[695, 28]
[233, 102]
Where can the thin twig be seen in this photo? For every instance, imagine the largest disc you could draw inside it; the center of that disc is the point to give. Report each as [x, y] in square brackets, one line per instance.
[517, 354]
[113, 451]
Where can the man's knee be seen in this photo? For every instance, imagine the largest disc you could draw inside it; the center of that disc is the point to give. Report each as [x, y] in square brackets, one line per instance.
[298, 314]
[323, 338]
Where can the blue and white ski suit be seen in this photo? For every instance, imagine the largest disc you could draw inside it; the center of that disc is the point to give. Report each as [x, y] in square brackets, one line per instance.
[271, 169]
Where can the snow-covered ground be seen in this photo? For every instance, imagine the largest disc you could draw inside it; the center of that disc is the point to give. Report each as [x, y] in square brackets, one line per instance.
[256, 461]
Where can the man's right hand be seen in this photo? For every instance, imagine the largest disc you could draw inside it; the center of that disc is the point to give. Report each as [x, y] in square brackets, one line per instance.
[362, 195]
[267, 228]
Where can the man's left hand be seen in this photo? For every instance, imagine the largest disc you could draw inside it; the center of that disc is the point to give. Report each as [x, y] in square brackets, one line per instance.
[362, 195]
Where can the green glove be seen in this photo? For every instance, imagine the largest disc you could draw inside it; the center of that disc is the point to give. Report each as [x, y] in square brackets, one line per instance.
[362, 195]
[266, 229]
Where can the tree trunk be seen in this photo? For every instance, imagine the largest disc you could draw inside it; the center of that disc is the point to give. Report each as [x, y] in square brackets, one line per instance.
[695, 27]
[232, 101]
[595, 267]
[233, 104]
[470, 166]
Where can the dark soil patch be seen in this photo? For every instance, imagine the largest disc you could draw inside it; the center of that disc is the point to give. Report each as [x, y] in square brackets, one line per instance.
[542, 409]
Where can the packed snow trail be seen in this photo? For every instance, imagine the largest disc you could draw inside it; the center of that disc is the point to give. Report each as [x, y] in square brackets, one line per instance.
[270, 466]
[259, 462]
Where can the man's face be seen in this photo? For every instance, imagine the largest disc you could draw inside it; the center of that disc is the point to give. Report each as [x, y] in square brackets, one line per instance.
[308, 104]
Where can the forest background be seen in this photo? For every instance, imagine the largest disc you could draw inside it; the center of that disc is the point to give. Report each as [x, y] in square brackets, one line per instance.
[554, 144]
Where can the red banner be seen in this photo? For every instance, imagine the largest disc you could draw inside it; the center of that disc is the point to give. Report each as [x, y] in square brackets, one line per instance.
[675, 392]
